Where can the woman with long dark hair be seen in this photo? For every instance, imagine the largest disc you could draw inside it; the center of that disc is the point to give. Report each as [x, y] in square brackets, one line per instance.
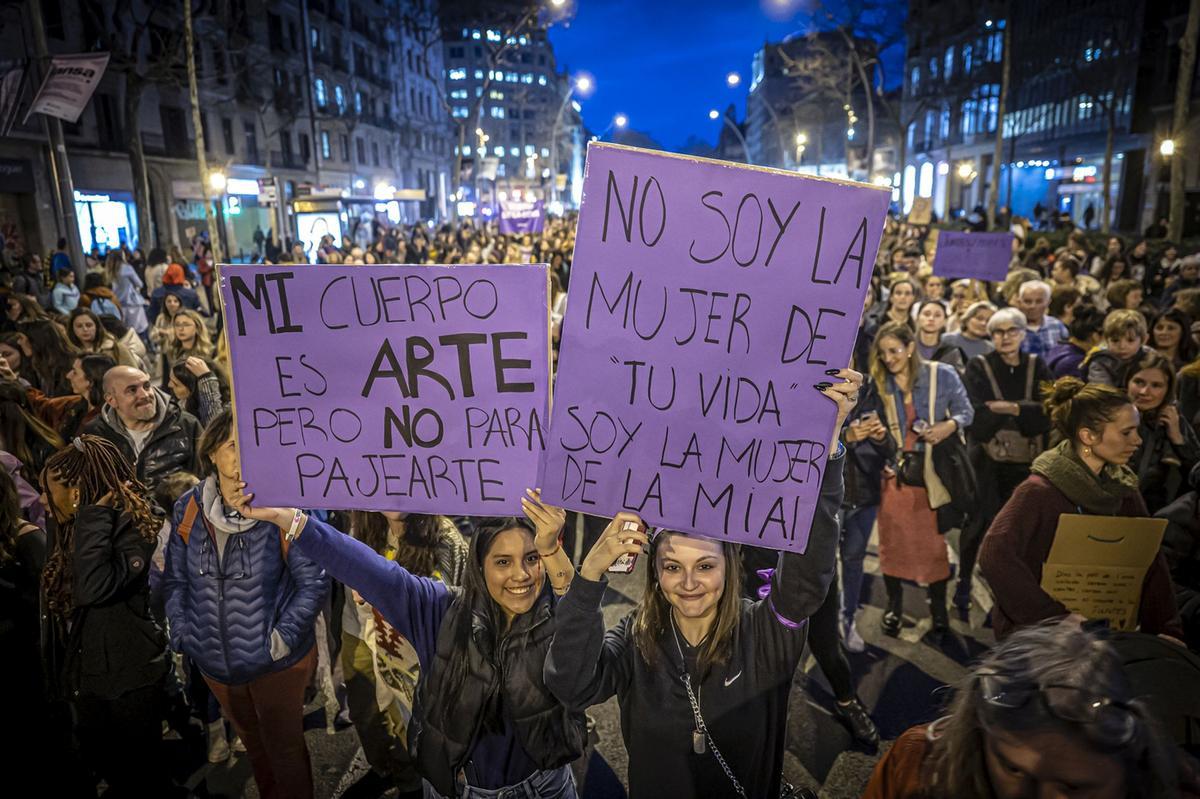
[67, 415]
[51, 355]
[1171, 337]
[1048, 712]
[200, 386]
[723, 733]
[1170, 447]
[483, 719]
[89, 336]
[102, 648]
[23, 433]
[12, 352]
[380, 665]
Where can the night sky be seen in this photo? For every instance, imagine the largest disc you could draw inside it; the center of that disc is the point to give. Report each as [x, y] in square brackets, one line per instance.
[664, 62]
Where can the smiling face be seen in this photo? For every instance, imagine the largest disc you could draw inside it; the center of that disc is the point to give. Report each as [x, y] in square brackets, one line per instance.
[894, 353]
[691, 573]
[513, 571]
[131, 394]
[1167, 334]
[1148, 389]
[85, 330]
[1117, 440]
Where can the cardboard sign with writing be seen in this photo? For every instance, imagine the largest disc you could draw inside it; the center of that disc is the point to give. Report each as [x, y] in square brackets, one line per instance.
[706, 301]
[1097, 564]
[414, 388]
[921, 212]
[981, 256]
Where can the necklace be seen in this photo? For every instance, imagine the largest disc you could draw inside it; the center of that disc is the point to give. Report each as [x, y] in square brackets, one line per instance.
[697, 733]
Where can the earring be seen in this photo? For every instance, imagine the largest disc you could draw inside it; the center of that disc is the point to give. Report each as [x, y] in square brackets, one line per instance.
[1087, 452]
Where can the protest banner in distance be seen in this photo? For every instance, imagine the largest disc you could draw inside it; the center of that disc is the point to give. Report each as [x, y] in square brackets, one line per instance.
[1097, 565]
[69, 84]
[706, 300]
[521, 216]
[982, 256]
[921, 212]
[415, 388]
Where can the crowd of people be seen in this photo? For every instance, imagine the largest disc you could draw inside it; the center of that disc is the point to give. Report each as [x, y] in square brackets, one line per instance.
[148, 594]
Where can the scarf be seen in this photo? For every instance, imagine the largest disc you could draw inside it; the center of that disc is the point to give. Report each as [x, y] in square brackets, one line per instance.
[1097, 494]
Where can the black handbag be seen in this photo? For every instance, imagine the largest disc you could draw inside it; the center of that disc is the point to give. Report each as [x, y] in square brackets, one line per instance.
[954, 469]
[910, 468]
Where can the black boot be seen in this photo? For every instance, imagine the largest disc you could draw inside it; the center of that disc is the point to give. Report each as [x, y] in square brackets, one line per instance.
[894, 615]
[858, 722]
[937, 608]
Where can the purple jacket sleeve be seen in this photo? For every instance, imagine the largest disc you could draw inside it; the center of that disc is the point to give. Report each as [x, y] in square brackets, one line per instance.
[415, 606]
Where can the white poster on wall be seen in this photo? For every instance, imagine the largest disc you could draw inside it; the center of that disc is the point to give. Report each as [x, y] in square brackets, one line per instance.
[69, 85]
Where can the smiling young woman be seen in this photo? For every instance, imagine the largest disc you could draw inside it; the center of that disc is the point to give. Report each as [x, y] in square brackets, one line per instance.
[702, 676]
[1170, 447]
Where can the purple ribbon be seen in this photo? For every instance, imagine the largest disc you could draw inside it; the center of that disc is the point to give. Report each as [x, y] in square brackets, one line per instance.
[764, 593]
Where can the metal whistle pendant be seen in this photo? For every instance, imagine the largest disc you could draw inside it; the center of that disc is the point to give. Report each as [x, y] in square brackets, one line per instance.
[698, 742]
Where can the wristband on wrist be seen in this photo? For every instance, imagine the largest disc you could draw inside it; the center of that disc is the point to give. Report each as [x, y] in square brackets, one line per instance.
[297, 515]
[552, 553]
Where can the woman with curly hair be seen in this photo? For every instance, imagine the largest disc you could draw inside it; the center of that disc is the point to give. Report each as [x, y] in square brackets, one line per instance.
[103, 651]
[50, 354]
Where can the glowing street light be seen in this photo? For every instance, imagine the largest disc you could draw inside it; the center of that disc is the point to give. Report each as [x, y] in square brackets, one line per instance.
[217, 180]
[620, 120]
[714, 114]
[733, 79]
[584, 84]
[801, 139]
[964, 170]
[558, 3]
[1167, 148]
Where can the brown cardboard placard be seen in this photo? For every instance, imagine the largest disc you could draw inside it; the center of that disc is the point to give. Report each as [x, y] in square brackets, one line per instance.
[1097, 564]
[921, 212]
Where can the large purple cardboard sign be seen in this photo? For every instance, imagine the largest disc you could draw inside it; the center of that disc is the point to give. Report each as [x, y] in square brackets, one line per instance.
[982, 256]
[415, 388]
[706, 300]
[521, 216]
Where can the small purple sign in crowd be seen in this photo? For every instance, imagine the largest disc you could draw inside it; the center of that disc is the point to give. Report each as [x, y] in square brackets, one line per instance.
[521, 216]
[415, 388]
[706, 300]
[981, 256]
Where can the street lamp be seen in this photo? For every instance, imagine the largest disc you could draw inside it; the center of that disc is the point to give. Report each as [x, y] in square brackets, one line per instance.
[620, 120]
[713, 114]
[217, 180]
[736, 132]
[583, 84]
[733, 79]
[964, 170]
[801, 142]
[1166, 148]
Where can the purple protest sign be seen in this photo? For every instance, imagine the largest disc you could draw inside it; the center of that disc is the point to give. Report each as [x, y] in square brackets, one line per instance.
[520, 216]
[981, 256]
[415, 388]
[706, 300]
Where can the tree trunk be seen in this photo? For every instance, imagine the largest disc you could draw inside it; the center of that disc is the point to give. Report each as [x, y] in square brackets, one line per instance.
[135, 89]
[949, 182]
[900, 166]
[1109, 135]
[210, 219]
[998, 152]
[1183, 90]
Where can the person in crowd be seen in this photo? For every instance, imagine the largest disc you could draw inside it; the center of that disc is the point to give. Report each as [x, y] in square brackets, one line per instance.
[1062, 305]
[1048, 712]
[30, 282]
[931, 324]
[221, 568]
[933, 287]
[156, 267]
[691, 626]
[1170, 447]
[12, 346]
[22, 308]
[376, 658]
[200, 388]
[1126, 294]
[1007, 433]
[1114, 269]
[1086, 332]
[151, 431]
[1188, 392]
[1181, 548]
[1045, 332]
[67, 415]
[1138, 258]
[65, 294]
[103, 650]
[1170, 336]
[1125, 336]
[1188, 278]
[972, 338]
[162, 331]
[484, 722]
[50, 355]
[174, 282]
[89, 337]
[128, 339]
[1086, 473]
[901, 298]
[918, 417]
[189, 337]
[26, 436]
[97, 296]
[128, 288]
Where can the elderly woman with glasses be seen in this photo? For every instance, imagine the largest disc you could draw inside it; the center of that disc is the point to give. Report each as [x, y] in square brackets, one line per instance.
[1049, 712]
[1008, 432]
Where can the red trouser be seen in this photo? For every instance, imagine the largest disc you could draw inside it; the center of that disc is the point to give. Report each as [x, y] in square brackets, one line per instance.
[268, 714]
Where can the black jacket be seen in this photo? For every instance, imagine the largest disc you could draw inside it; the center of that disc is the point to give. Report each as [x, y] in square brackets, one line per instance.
[743, 701]
[115, 644]
[170, 448]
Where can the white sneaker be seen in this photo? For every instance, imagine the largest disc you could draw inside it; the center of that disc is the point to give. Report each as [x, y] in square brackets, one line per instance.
[854, 642]
[237, 746]
[218, 744]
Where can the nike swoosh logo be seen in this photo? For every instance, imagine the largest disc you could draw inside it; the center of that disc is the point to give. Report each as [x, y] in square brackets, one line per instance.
[732, 679]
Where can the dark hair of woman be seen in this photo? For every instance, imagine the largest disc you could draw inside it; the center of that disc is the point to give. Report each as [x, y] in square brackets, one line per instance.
[1187, 350]
[96, 467]
[417, 551]
[23, 434]
[29, 307]
[53, 355]
[1073, 405]
[653, 618]
[1106, 271]
[102, 334]
[10, 517]
[192, 383]
[216, 433]
[25, 370]
[1154, 360]
[94, 368]
[475, 594]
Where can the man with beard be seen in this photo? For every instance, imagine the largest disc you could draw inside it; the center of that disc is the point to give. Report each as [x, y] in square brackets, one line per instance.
[149, 428]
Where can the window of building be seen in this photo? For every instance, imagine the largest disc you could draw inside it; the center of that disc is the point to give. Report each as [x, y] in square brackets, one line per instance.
[497, 112]
[944, 123]
[479, 74]
[251, 141]
[541, 80]
[498, 150]
[375, 153]
[315, 34]
[458, 73]
[345, 141]
[967, 56]
[526, 77]
[358, 103]
[319, 91]
[545, 152]
[285, 145]
[339, 97]
[514, 151]
[458, 94]
[227, 135]
[360, 148]
[948, 63]
[458, 112]
[457, 52]
[914, 79]
[387, 150]
[326, 151]
[304, 148]
[501, 169]
[493, 94]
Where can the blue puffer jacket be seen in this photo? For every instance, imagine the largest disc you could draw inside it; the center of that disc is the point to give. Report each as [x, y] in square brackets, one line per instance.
[222, 610]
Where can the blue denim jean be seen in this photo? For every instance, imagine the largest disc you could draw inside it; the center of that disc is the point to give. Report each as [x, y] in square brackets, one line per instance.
[556, 784]
[856, 531]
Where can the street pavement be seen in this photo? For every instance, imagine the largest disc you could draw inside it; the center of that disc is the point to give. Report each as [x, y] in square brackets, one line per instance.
[903, 681]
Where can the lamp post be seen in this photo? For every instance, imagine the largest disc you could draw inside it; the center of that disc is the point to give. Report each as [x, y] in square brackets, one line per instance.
[714, 114]
[801, 143]
[584, 84]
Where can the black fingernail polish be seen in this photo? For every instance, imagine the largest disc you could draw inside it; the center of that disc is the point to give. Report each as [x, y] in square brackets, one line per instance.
[832, 372]
[821, 386]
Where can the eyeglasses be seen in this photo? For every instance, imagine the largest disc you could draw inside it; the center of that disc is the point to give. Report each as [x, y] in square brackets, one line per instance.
[1008, 332]
[1106, 721]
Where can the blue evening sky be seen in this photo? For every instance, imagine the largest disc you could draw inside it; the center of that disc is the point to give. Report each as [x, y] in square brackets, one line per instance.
[663, 62]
